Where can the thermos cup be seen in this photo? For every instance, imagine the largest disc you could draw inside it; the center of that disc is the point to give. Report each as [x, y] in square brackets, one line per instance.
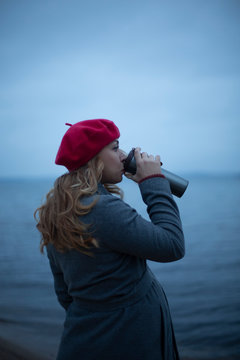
[178, 185]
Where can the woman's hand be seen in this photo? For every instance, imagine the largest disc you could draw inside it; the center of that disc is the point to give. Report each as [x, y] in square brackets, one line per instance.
[147, 165]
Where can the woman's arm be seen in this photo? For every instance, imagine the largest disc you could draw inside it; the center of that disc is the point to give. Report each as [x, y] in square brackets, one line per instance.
[59, 284]
[121, 228]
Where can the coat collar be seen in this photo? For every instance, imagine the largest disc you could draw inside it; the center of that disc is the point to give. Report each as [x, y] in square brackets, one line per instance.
[102, 190]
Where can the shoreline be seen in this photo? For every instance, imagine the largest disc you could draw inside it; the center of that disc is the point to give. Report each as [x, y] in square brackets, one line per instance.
[21, 342]
[11, 351]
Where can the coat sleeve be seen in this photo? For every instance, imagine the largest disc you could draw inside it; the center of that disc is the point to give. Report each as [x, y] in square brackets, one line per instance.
[120, 228]
[59, 284]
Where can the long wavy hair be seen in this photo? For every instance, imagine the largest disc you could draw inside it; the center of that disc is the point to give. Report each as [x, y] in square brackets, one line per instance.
[58, 219]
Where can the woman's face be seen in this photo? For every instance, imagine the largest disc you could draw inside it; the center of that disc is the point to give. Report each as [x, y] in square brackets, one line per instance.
[112, 158]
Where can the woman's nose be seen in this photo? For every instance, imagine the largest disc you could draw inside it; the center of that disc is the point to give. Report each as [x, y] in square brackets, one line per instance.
[123, 155]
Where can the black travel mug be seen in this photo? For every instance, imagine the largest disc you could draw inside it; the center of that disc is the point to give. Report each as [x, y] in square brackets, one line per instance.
[178, 185]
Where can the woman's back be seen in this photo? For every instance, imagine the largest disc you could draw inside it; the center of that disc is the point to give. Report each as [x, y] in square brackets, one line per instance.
[98, 246]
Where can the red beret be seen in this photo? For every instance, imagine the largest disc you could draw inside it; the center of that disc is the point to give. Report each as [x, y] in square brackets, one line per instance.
[84, 140]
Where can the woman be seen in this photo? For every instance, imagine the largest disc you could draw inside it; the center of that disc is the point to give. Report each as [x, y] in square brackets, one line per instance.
[98, 245]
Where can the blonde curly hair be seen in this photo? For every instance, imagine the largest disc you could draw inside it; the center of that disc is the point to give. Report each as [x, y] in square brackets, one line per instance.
[58, 219]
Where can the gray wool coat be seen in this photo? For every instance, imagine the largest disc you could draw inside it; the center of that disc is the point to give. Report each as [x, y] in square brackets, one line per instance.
[115, 307]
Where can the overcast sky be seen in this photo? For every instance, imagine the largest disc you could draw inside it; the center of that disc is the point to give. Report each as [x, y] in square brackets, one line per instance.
[166, 72]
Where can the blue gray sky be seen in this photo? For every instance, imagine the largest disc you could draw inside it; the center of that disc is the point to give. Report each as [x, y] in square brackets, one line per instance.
[166, 72]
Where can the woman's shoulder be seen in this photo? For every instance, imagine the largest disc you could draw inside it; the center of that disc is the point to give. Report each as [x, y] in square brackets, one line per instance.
[106, 203]
[102, 195]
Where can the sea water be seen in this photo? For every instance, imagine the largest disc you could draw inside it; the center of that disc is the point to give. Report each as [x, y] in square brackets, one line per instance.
[203, 288]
